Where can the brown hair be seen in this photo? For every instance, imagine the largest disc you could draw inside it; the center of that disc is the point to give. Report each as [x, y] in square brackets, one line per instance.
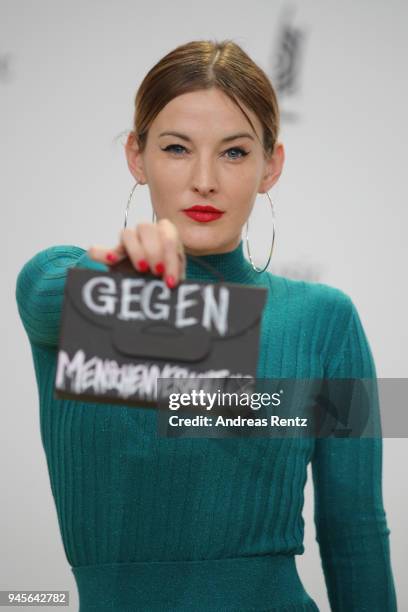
[204, 64]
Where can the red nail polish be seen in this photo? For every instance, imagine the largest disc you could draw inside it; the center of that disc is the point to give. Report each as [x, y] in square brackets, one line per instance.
[171, 283]
[159, 268]
[142, 265]
[111, 257]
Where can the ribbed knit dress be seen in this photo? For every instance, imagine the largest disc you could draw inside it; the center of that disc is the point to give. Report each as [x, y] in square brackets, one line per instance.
[200, 524]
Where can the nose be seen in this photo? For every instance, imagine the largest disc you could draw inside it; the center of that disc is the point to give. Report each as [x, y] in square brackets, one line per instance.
[204, 179]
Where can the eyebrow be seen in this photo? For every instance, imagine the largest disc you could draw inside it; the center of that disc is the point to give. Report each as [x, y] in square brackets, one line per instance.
[226, 139]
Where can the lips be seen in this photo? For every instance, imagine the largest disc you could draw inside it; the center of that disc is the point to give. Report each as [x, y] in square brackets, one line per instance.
[203, 214]
[204, 208]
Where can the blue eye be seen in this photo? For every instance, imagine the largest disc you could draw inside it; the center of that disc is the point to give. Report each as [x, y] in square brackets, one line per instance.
[241, 151]
[175, 148]
[171, 147]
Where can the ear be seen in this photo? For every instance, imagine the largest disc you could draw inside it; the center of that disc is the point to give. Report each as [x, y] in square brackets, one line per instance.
[273, 168]
[134, 159]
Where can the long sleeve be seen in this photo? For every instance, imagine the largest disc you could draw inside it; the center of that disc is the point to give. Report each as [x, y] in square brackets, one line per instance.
[146, 521]
[40, 290]
[350, 520]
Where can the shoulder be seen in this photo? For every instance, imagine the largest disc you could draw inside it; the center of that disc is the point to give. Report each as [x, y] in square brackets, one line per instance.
[53, 261]
[322, 315]
[315, 298]
[46, 269]
[58, 255]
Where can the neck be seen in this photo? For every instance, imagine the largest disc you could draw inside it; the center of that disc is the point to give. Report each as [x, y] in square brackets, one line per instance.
[232, 266]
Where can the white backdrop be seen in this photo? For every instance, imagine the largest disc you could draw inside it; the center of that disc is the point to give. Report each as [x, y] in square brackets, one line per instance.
[68, 75]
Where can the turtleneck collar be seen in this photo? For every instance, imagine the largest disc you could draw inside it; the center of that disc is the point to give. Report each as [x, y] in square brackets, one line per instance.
[232, 265]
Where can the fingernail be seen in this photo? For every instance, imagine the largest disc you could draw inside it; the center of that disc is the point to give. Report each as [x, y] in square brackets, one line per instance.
[159, 268]
[142, 265]
[171, 283]
[111, 257]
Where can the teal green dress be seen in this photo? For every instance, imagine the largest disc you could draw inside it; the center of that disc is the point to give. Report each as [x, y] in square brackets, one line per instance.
[202, 524]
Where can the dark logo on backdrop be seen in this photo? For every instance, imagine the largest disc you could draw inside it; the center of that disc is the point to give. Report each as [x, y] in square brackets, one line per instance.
[286, 63]
[5, 70]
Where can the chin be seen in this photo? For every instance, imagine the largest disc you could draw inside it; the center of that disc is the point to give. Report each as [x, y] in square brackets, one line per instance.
[205, 240]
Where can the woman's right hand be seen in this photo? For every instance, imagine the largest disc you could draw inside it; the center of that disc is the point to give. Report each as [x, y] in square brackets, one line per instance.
[154, 247]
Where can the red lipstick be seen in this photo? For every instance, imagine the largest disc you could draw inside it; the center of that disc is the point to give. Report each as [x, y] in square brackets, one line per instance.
[203, 213]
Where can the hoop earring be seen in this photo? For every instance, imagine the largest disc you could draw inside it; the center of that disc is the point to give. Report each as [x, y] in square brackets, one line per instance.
[128, 204]
[273, 240]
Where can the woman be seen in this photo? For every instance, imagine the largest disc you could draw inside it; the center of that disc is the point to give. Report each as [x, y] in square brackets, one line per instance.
[152, 523]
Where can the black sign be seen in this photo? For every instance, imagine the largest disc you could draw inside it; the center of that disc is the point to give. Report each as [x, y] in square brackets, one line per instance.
[120, 332]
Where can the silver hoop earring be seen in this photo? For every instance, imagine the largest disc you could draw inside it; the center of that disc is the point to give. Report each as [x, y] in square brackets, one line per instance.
[273, 240]
[128, 204]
